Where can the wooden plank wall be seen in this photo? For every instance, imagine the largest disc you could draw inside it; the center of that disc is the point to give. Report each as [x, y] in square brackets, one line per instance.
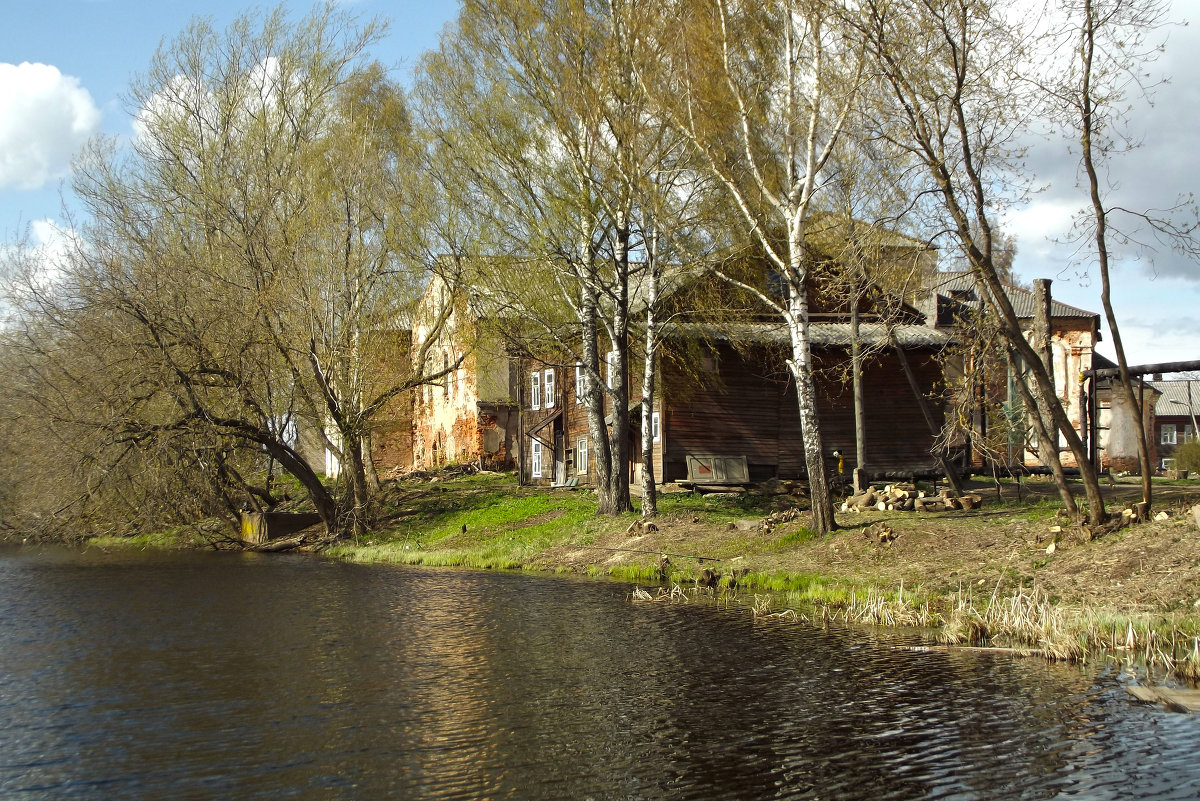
[752, 411]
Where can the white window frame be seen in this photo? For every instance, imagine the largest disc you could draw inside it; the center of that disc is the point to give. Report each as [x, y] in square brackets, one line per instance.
[655, 427]
[610, 361]
[535, 390]
[1167, 464]
[548, 389]
[1168, 436]
[581, 456]
[1188, 434]
[535, 460]
[580, 382]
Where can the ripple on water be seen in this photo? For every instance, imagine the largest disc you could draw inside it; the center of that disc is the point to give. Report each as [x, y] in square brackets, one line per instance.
[218, 676]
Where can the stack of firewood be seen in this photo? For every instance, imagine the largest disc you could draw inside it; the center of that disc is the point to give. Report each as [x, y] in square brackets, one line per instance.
[907, 498]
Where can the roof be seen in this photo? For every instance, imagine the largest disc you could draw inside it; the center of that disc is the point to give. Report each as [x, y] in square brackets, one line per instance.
[961, 287]
[1174, 399]
[828, 335]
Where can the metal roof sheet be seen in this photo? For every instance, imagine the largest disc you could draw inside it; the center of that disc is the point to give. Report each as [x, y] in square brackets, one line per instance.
[827, 335]
[961, 286]
[1174, 399]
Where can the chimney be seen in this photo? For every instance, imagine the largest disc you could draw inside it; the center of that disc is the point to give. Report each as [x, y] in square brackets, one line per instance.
[926, 302]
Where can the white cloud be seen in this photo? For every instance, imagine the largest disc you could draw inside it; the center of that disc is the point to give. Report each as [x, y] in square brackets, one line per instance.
[45, 117]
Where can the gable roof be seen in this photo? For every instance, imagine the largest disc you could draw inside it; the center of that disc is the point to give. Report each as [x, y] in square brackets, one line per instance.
[830, 335]
[960, 286]
[1174, 399]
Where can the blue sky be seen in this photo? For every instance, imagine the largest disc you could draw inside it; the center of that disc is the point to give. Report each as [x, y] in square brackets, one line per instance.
[65, 65]
[88, 51]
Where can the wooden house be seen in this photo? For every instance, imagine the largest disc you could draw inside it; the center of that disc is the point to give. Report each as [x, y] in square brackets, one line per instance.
[1175, 419]
[739, 400]
[725, 409]
[953, 299]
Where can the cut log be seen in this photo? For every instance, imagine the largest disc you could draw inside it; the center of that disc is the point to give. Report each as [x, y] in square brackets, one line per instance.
[970, 501]
[863, 500]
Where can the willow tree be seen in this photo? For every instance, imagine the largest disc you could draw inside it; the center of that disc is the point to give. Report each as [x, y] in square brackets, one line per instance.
[765, 93]
[250, 243]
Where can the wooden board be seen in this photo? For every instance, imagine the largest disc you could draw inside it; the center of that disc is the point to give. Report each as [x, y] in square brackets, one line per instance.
[1174, 699]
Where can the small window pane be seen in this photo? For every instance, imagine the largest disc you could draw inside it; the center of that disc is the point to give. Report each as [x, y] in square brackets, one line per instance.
[1168, 434]
[581, 455]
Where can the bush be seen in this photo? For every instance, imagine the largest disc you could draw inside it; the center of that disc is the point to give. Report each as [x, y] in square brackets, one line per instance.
[1187, 456]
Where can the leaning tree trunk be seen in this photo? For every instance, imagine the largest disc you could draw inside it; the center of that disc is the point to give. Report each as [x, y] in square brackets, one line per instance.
[1047, 437]
[1043, 419]
[323, 503]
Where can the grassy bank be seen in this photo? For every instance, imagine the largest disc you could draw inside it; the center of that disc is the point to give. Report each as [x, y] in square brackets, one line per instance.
[999, 575]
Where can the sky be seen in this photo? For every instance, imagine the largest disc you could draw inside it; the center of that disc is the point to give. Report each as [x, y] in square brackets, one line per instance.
[65, 67]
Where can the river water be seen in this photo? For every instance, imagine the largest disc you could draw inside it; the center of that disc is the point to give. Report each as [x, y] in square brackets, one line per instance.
[156, 676]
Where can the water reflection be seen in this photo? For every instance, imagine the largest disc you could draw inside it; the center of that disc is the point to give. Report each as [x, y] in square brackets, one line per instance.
[207, 675]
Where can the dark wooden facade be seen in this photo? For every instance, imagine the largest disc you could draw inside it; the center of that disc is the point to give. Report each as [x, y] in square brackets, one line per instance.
[560, 429]
[742, 402]
[748, 407]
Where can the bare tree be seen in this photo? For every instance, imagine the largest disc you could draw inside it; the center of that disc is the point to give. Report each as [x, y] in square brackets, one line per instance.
[1110, 45]
[955, 104]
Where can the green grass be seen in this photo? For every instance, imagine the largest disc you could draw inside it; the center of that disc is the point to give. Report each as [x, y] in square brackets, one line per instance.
[174, 538]
[476, 521]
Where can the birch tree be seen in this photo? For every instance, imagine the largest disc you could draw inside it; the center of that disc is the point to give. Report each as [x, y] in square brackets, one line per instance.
[539, 102]
[765, 93]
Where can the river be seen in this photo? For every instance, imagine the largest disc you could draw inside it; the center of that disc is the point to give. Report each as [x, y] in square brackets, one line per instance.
[140, 675]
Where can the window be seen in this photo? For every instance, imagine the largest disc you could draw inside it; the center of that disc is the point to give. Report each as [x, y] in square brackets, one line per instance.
[548, 389]
[610, 361]
[1167, 464]
[655, 431]
[1188, 434]
[535, 460]
[535, 391]
[580, 382]
[581, 456]
[1168, 434]
[446, 371]
[462, 376]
